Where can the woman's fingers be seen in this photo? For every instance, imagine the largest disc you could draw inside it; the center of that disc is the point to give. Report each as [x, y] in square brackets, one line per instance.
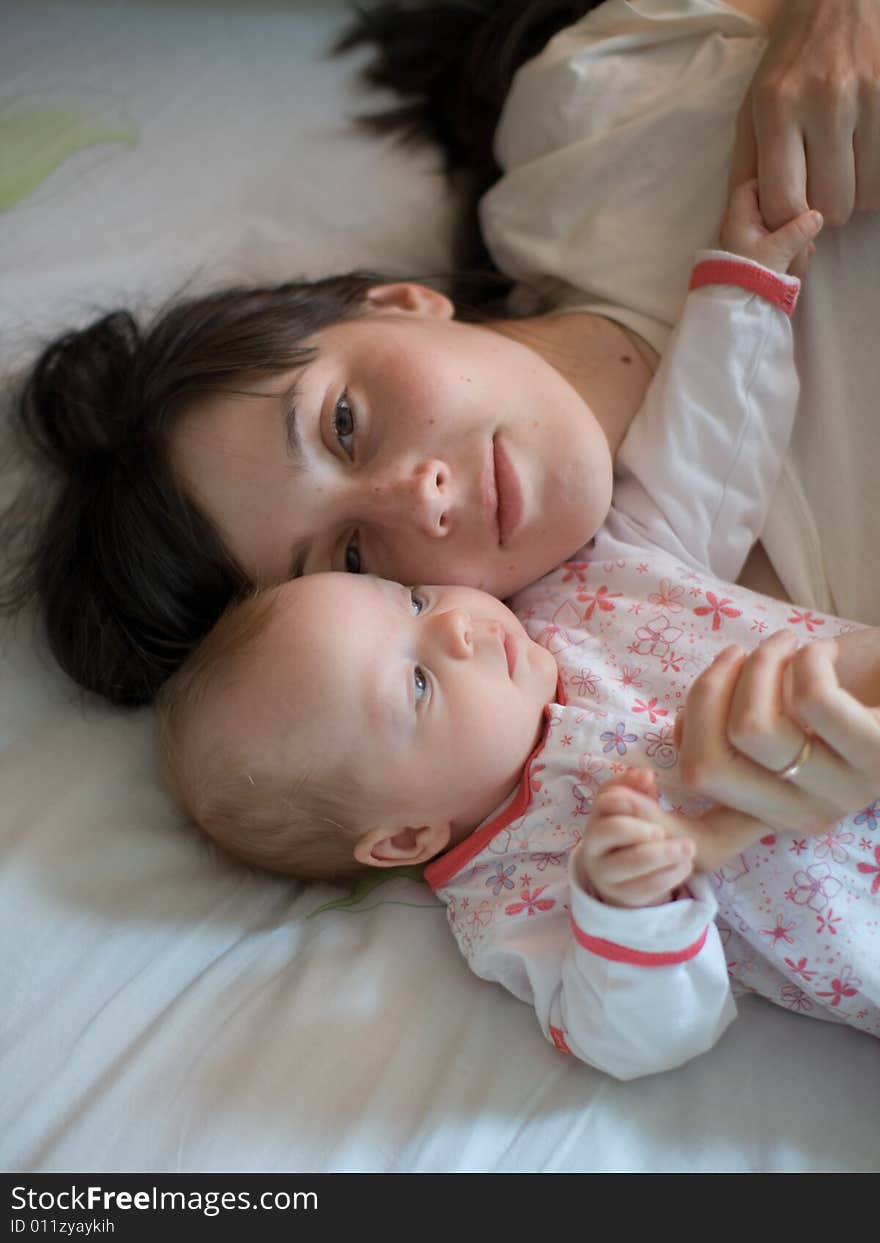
[757, 724]
[748, 720]
[711, 765]
[851, 728]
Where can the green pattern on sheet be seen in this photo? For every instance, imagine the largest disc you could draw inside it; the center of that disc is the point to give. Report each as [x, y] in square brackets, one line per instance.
[367, 884]
[36, 138]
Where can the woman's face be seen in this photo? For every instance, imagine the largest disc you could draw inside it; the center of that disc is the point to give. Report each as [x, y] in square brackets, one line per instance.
[413, 447]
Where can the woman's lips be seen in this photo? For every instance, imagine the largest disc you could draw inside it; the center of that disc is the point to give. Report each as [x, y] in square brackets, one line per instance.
[510, 653]
[508, 493]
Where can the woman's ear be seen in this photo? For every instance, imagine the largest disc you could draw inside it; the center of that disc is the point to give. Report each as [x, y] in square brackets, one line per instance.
[384, 848]
[408, 298]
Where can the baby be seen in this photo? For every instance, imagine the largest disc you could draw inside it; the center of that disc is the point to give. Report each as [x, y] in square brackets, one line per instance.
[341, 722]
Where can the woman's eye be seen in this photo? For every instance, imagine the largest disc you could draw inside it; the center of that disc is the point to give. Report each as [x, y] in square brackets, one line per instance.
[417, 603]
[353, 556]
[343, 424]
[421, 684]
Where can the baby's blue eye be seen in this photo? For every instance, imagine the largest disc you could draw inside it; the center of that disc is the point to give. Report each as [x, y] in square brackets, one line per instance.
[417, 604]
[421, 684]
[343, 423]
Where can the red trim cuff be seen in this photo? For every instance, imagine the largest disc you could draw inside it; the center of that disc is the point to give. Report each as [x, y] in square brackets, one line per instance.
[637, 958]
[782, 291]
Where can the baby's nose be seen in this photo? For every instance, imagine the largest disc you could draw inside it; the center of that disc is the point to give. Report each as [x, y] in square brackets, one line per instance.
[455, 632]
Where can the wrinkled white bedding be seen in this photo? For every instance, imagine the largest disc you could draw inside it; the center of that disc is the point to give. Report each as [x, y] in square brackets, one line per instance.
[161, 1008]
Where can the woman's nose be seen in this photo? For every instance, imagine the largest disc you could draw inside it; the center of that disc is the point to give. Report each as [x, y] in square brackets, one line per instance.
[421, 496]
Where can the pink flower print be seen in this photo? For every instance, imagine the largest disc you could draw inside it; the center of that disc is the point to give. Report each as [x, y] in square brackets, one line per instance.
[825, 923]
[600, 599]
[796, 999]
[868, 868]
[805, 616]
[558, 639]
[660, 747]
[531, 902]
[779, 932]
[617, 739]
[542, 859]
[575, 571]
[798, 845]
[586, 683]
[585, 790]
[864, 843]
[656, 637]
[845, 985]
[760, 626]
[668, 597]
[834, 844]
[641, 568]
[815, 887]
[583, 799]
[800, 968]
[869, 815]
[481, 916]
[500, 878]
[718, 609]
[651, 708]
[630, 676]
[672, 661]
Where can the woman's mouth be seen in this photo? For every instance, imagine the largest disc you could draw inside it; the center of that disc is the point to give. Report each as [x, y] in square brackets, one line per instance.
[510, 653]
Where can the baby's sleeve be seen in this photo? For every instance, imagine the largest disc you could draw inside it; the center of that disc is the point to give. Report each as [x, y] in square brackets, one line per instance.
[697, 470]
[631, 992]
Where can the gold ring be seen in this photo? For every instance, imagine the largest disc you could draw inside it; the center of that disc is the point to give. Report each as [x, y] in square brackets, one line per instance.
[792, 770]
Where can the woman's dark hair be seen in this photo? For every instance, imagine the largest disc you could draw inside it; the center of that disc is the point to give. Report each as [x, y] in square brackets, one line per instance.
[452, 62]
[127, 571]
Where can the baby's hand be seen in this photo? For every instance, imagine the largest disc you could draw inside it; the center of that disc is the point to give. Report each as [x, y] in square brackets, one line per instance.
[743, 232]
[632, 853]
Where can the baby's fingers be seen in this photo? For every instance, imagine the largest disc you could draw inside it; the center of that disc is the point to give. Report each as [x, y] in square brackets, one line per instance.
[621, 816]
[793, 238]
[675, 863]
[631, 863]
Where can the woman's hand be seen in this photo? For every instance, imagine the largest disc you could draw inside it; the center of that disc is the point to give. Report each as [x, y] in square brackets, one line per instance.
[809, 127]
[748, 718]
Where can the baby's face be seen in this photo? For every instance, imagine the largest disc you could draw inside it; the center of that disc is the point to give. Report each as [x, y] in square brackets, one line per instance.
[428, 701]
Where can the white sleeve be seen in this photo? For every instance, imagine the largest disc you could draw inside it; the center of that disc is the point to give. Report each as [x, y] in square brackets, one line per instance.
[631, 992]
[698, 468]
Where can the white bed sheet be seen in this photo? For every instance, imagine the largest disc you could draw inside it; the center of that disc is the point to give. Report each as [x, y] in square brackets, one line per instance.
[162, 1009]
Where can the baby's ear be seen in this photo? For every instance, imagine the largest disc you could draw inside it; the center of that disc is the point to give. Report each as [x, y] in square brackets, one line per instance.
[408, 298]
[384, 848]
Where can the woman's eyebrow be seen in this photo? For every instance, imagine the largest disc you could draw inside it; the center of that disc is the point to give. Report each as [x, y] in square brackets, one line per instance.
[292, 437]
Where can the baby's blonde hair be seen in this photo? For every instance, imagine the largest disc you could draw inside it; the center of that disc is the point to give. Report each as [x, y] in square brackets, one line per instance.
[259, 812]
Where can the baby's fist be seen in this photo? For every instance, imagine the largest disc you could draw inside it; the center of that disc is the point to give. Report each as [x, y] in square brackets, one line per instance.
[628, 857]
